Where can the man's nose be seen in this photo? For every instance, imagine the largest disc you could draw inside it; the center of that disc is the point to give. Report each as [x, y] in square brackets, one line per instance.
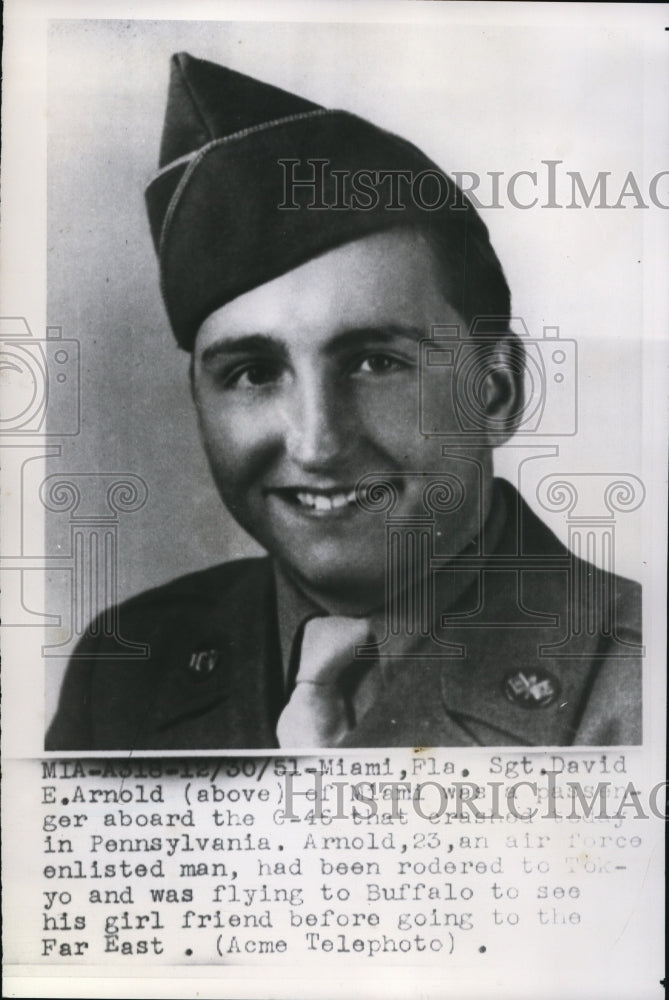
[318, 429]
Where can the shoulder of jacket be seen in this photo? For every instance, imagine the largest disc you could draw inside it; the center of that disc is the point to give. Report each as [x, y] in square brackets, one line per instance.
[202, 586]
[618, 592]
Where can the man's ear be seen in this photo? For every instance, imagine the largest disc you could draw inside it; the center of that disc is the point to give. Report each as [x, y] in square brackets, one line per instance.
[502, 391]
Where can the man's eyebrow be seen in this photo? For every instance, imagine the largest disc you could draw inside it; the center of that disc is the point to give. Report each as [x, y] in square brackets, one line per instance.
[265, 343]
[384, 333]
[247, 344]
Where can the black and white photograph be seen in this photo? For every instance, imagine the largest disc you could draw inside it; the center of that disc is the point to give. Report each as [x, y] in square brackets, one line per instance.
[334, 351]
[349, 353]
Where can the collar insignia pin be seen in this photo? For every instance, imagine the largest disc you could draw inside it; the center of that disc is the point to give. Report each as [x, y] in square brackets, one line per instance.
[531, 688]
[203, 662]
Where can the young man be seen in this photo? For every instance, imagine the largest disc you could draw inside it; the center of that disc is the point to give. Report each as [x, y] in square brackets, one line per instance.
[309, 261]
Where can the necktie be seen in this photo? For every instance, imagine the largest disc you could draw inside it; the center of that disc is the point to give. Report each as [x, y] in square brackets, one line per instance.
[316, 715]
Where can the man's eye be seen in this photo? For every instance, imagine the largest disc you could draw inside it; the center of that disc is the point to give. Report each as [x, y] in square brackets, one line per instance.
[255, 374]
[379, 364]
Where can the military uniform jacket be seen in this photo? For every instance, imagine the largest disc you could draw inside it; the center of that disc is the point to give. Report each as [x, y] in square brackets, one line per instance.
[547, 654]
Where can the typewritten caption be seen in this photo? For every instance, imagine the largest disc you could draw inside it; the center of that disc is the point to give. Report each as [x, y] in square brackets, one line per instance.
[354, 859]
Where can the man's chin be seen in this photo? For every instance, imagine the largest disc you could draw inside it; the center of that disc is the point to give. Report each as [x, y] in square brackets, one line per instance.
[345, 587]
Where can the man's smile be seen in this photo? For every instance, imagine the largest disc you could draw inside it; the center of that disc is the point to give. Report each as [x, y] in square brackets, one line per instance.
[329, 501]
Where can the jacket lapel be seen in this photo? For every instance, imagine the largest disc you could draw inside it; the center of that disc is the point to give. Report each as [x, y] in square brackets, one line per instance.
[410, 713]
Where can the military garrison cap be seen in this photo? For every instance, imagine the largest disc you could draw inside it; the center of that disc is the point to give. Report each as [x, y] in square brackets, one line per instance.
[252, 183]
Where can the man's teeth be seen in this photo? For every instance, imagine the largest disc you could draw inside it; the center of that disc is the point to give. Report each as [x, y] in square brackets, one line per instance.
[319, 501]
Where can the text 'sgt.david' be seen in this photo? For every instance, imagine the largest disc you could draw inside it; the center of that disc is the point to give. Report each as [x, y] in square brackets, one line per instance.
[354, 365]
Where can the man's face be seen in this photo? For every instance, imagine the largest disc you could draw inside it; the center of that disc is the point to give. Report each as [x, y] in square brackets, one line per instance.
[310, 382]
